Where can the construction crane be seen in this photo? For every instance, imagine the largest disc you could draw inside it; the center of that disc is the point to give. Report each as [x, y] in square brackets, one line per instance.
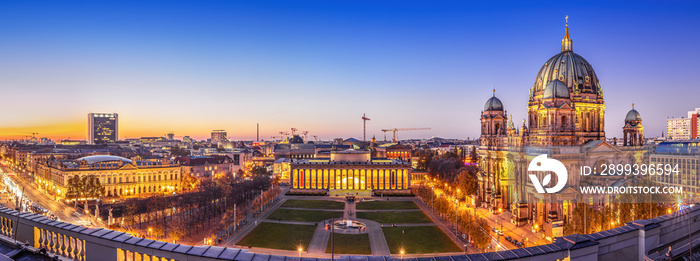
[364, 127]
[402, 129]
[27, 137]
[305, 133]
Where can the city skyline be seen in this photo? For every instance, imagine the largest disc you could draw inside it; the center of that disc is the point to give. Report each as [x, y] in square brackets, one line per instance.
[194, 68]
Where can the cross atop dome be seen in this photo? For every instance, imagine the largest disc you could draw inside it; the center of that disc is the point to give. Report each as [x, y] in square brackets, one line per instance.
[567, 43]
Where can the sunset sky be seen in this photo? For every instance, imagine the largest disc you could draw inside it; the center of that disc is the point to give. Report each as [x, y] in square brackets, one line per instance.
[193, 66]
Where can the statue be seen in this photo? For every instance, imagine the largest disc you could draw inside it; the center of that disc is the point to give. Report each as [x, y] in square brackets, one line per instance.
[110, 218]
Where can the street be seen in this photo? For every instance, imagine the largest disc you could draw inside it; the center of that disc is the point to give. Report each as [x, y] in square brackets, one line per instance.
[61, 210]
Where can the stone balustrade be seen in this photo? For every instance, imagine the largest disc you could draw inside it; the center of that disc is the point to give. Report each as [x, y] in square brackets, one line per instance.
[637, 240]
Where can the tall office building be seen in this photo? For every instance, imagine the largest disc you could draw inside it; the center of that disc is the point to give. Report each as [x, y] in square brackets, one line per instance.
[684, 128]
[103, 128]
[218, 136]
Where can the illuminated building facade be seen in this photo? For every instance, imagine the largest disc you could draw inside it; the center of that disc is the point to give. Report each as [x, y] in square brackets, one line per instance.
[395, 151]
[206, 166]
[218, 136]
[565, 121]
[121, 177]
[685, 155]
[350, 170]
[684, 128]
[103, 128]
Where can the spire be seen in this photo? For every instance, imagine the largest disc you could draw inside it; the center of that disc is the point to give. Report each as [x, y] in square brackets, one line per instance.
[633, 106]
[494, 92]
[567, 43]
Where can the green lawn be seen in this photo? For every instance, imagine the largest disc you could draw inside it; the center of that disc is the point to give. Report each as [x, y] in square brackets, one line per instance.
[350, 244]
[279, 236]
[396, 217]
[318, 204]
[304, 215]
[372, 205]
[419, 240]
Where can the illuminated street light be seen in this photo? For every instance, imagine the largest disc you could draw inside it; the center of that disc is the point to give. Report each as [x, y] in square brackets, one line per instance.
[300, 249]
[402, 252]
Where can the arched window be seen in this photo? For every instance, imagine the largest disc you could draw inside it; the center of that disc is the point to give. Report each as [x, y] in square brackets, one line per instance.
[563, 122]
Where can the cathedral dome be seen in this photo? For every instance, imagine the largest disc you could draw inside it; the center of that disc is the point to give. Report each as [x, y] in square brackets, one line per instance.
[556, 89]
[633, 115]
[569, 68]
[493, 104]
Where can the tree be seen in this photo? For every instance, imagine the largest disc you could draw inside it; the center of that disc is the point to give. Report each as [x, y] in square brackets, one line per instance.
[179, 152]
[472, 155]
[130, 214]
[424, 159]
[479, 233]
[467, 182]
[84, 187]
[258, 171]
[178, 229]
[189, 182]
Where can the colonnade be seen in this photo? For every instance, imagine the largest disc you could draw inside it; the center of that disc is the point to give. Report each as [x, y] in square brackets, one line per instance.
[354, 179]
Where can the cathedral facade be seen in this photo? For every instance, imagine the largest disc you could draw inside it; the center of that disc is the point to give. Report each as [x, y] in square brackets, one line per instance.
[566, 121]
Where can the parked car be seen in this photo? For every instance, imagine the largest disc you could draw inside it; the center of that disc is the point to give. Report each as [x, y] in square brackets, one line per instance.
[508, 238]
[500, 233]
[519, 244]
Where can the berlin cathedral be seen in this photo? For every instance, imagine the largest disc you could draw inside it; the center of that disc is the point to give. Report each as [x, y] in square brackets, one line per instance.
[565, 120]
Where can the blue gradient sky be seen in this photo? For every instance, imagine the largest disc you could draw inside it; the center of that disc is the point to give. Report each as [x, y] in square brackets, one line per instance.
[194, 66]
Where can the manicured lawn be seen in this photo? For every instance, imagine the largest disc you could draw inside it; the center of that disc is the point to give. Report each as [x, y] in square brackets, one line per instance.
[279, 236]
[396, 217]
[318, 204]
[304, 215]
[371, 205]
[350, 244]
[419, 240]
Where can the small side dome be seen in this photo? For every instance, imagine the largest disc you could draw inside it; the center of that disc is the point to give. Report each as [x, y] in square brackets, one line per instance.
[556, 89]
[493, 104]
[633, 115]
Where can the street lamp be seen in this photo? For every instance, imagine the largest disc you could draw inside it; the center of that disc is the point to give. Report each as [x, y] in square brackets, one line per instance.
[401, 252]
[300, 249]
[456, 218]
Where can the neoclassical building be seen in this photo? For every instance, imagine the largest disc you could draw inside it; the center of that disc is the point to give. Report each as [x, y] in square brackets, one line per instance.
[565, 120]
[121, 177]
[351, 170]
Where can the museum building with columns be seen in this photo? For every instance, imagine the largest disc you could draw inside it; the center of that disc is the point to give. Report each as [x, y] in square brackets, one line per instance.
[351, 170]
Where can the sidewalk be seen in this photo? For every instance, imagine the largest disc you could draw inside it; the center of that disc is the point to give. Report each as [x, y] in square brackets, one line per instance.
[445, 226]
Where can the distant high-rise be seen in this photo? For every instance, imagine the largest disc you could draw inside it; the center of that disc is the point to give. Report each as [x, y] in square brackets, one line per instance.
[218, 136]
[684, 128]
[103, 128]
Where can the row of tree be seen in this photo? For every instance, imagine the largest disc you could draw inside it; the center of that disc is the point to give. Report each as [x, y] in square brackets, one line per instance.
[209, 206]
[477, 228]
